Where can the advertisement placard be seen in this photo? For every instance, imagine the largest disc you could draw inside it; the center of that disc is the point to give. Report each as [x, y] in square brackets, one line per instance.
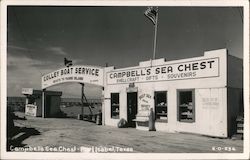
[30, 110]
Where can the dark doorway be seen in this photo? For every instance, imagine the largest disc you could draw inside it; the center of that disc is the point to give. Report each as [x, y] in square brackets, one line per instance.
[47, 106]
[131, 108]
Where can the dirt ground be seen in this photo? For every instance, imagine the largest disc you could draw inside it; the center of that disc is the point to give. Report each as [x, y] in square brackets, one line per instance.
[70, 132]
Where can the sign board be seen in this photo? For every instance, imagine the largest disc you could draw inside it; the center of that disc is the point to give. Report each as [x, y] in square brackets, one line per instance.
[203, 68]
[28, 91]
[144, 104]
[144, 101]
[30, 110]
[210, 102]
[82, 74]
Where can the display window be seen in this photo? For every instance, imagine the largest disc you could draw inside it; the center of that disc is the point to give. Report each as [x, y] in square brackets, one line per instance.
[186, 106]
[115, 106]
[161, 107]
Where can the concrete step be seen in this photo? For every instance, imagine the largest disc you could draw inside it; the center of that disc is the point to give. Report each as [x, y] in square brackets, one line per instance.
[237, 137]
[240, 131]
[240, 125]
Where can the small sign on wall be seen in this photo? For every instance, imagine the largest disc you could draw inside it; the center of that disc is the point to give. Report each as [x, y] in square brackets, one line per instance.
[30, 110]
[210, 102]
[145, 100]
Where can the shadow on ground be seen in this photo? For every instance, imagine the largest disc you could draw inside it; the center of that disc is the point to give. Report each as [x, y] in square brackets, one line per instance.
[19, 135]
[16, 134]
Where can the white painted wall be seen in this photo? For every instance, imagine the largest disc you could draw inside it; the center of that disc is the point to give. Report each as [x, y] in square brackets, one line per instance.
[123, 104]
[209, 120]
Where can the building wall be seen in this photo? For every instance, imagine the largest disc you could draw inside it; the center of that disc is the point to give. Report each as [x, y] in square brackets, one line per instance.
[53, 100]
[52, 104]
[39, 106]
[235, 72]
[106, 99]
[235, 108]
[55, 105]
[210, 109]
[210, 99]
[235, 92]
[123, 104]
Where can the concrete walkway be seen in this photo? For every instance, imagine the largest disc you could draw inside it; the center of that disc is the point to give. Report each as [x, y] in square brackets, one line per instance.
[67, 132]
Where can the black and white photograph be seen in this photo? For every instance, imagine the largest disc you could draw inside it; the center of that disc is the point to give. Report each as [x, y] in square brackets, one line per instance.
[125, 79]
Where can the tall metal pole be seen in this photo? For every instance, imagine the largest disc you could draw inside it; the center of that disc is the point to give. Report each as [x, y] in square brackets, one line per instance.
[155, 32]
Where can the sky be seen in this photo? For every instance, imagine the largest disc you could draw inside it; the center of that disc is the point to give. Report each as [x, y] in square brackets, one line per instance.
[40, 37]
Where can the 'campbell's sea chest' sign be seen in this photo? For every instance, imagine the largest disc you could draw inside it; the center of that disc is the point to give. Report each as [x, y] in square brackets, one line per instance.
[203, 68]
[81, 74]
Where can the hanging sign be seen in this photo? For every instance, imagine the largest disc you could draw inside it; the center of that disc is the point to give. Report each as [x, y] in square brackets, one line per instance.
[82, 74]
[204, 68]
[27, 91]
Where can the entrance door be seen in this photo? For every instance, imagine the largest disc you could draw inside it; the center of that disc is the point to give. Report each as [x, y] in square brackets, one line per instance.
[131, 108]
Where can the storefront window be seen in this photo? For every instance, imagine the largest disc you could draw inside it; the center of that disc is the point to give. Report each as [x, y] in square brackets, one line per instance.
[186, 105]
[115, 105]
[161, 108]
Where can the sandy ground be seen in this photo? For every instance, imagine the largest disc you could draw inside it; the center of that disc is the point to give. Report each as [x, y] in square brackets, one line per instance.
[55, 132]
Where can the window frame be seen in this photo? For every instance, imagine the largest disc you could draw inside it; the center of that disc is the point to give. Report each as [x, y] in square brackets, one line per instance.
[178, 105]
[156, 106]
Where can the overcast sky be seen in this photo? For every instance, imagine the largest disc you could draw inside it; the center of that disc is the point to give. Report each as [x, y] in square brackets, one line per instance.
[40, 37]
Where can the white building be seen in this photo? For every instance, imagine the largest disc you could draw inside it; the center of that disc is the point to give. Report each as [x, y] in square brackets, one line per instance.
[197, 95]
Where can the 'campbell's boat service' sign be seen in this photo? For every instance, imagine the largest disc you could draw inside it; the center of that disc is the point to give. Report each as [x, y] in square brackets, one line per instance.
[81, 74]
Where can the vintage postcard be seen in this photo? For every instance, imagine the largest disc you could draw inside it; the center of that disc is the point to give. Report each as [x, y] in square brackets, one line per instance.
[124, 79]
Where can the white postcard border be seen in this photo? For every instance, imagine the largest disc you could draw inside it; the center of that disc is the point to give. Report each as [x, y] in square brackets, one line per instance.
[15, 155]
